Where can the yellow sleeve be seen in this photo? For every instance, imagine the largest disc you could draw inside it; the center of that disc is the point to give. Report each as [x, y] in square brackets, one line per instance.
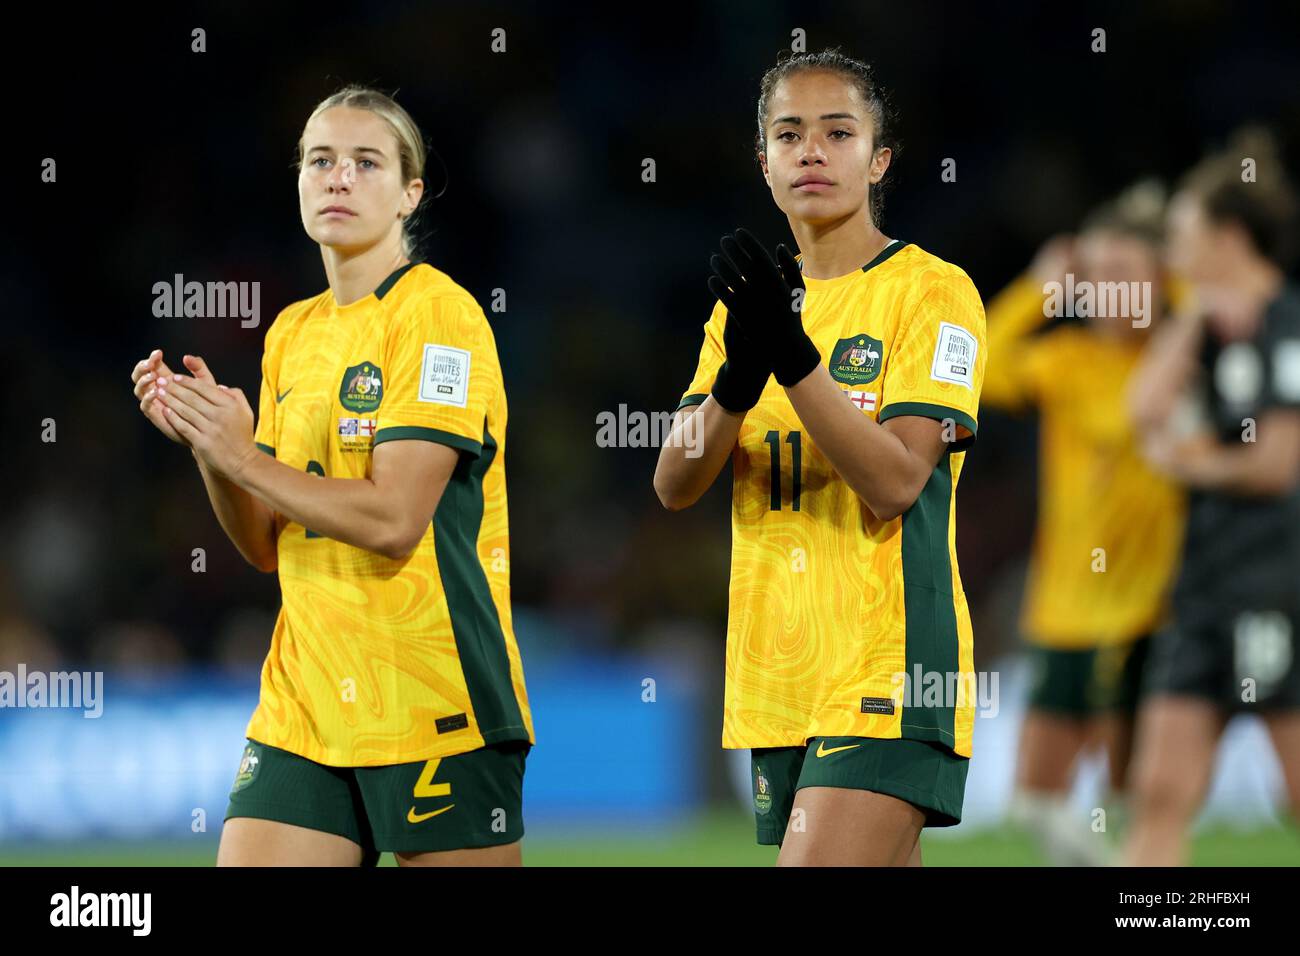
[936, 366]
[439, 373]
[1178, 293]
[1014, 376]
[712, 355]
[264, 433]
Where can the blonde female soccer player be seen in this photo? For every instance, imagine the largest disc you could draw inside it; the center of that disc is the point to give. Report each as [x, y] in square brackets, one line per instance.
[393, 714]
[844, 387]
[1109, 528]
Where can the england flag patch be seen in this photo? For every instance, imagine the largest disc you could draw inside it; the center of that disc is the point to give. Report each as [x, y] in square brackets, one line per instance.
[357, 431]
[863, 400]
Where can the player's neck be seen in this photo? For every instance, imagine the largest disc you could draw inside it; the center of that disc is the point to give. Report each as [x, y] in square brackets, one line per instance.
[354, 275]
[1258, 282]
[831, 250]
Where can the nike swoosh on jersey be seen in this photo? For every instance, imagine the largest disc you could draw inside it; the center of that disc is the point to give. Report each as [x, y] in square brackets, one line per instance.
[413, 817]
[823, 752]
[280, 398]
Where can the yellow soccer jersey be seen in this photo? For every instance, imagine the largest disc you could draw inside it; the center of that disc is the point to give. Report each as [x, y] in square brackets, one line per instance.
[1109, 529]
[376, 661]
[829, 606]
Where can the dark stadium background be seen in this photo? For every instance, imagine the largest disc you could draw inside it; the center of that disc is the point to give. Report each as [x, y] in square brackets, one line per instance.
[176, 162]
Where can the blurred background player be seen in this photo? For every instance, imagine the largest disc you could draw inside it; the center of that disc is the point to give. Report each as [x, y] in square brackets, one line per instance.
[1108, 528]
[1217, 398]
[846, 396]
[393, 715]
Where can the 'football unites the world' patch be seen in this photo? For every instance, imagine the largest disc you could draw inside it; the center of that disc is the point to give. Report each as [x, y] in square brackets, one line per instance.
[954, 355]
[444, 378]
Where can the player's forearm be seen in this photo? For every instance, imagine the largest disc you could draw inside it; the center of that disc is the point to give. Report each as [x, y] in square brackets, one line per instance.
[1256, 469]
[701, 440]
[248, 522]
[1166, 367]
[1013, 315]
[351, 510]
[875, 463]
[1229, 470]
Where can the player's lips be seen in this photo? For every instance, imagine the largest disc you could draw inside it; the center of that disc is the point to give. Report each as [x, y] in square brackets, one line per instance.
[339, 211]
[811, 182]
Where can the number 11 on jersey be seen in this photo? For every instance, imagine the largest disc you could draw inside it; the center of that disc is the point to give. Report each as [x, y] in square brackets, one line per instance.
[773, 438]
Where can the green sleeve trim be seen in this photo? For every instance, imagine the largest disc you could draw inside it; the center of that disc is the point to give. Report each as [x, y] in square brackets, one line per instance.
[691, 400]
[266, 448]
[939, 412]
[399, 432]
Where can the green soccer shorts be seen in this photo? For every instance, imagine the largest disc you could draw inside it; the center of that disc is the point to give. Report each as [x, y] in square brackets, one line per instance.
[465, 801]
[1063, 682]
[1118, 675]
[926, 775]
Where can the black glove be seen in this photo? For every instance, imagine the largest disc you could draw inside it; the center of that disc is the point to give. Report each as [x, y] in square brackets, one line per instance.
[744, 374]
[760, 298]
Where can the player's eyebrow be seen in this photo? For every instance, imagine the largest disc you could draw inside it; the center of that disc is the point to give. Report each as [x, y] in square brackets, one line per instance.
[358, 149]
[798, 121]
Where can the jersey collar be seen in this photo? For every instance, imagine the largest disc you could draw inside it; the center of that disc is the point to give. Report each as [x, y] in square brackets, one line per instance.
[386, 286]
[889, 250]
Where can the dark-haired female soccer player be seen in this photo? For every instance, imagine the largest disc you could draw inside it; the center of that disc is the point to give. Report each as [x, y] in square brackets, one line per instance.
[393, 713]
[845, 395]
[1231, 647]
